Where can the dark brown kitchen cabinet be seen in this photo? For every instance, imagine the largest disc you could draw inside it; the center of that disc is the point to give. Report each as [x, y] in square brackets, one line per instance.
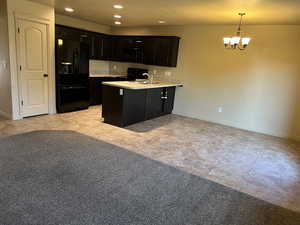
[132, 49]
[150, 50]
[122, 107]
[161, 51]
[96, 46]
[160, 101]
[168, 99]
[116, 48]
[100, 47]
[166, 51]
[154, 103]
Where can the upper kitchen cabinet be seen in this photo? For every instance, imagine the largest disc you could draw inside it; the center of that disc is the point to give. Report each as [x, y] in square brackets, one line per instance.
[166, 51]
[150, 50]
[100, 47]
[132, 49]
[116, 45]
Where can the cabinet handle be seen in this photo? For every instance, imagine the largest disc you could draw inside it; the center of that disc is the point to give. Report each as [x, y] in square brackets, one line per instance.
[164, 97]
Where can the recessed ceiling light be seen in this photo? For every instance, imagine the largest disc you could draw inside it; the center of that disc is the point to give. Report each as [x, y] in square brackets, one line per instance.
[67, 9]
[118, 22]
[161, 21]
[118, 6]
[118, 16]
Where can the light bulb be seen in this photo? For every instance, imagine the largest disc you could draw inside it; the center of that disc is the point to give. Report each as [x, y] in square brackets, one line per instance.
[235, 40]
[245, 40]
[60, 42]
[118, 7]
[226, 40]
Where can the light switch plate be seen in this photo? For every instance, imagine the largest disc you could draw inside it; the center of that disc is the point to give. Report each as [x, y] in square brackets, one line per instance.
[3, 65]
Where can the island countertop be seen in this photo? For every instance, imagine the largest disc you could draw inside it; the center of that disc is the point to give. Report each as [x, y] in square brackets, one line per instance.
[137, 85]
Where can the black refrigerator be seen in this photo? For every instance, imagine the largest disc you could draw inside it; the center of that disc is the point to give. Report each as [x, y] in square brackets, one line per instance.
[72, 69]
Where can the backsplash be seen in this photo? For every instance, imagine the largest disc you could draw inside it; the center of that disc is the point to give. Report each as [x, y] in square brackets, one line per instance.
[99, 67]
[120, 68]
[159, 73]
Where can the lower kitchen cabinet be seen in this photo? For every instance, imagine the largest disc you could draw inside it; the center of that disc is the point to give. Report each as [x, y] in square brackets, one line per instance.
[159, 101]
[169, 98]
[154, 103]
[122, 107]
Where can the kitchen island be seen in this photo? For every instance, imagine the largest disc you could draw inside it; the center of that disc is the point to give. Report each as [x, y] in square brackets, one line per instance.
[128, 102]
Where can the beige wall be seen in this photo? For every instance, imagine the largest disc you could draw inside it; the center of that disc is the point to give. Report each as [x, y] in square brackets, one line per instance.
[35, 11]
[257, 88]
[5, 91]
[82, 24]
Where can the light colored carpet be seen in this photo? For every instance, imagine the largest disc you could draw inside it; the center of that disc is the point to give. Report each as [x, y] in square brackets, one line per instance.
[63, 177]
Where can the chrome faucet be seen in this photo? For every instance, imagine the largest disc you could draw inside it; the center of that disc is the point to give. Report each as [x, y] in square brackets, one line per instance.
[149, 77]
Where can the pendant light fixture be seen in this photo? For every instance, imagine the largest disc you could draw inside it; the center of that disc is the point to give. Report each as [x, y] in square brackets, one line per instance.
[237, 42]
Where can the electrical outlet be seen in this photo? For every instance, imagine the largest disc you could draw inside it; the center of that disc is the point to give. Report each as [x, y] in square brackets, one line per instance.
[3, 65]
[168, 73]
[154, 72]
[220, 109]
[114, 67]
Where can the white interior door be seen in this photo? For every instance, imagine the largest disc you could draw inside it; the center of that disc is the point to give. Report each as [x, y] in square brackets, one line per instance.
[33, 68]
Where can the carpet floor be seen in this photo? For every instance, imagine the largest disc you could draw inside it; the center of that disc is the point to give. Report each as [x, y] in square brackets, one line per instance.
[63, 177]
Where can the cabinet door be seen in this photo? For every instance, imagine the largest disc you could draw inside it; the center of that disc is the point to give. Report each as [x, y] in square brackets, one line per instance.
[162, 51]
[154, 103]
[149, 51]
[134, 107]
[168, 99]
[106, 48]
[93, 46]
[127, 50]
[116, 50]
[112, 105]
[97, 47]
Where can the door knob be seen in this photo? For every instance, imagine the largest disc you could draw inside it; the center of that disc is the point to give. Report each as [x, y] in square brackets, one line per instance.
[45, 75]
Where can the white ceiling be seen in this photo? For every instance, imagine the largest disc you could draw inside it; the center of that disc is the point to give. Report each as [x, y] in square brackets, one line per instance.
[179, 12]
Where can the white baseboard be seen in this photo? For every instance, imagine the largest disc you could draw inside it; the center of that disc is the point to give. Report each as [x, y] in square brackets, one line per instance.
[5, 114]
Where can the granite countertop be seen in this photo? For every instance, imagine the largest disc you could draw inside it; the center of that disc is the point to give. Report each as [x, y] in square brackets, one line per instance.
[107, 75]
[136, 85]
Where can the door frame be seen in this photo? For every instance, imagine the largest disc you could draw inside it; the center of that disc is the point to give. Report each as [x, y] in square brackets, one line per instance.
[16, 89]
